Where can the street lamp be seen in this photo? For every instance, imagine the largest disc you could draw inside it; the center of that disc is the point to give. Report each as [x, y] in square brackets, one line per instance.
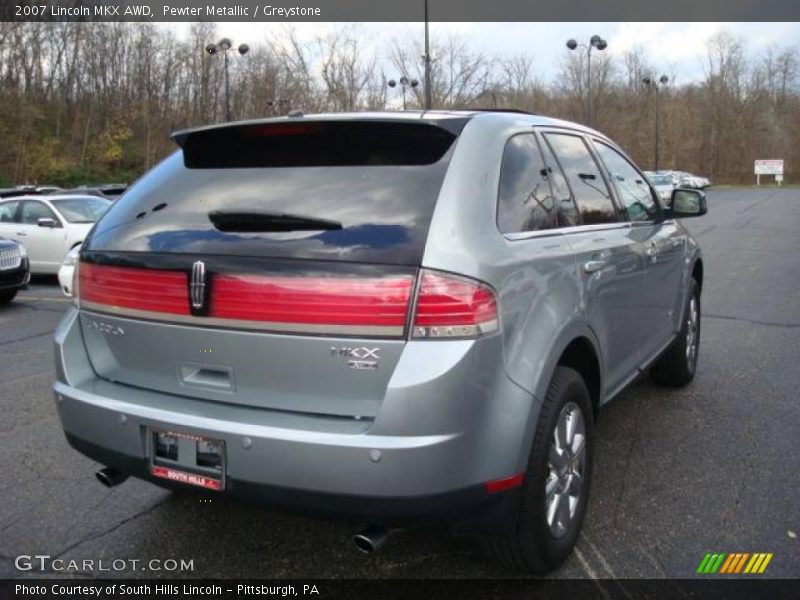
[662, 81]
[404, 82]
[427, 59]
[223, 46]
[597, 43]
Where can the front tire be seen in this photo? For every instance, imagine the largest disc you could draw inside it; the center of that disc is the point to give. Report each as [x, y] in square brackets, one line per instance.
[7, 296]
[676, 367]
[556, 486]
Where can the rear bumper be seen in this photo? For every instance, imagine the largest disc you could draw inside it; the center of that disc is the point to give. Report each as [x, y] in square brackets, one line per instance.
[332, 467]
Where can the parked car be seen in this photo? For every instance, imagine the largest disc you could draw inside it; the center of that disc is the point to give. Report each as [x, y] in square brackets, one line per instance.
[14, 269]
[49, 226]
[391, 329]
[662, 182]
[111, 191]
[67, 271]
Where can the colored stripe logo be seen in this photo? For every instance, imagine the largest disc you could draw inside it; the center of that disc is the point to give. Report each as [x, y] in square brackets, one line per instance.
[734, 563]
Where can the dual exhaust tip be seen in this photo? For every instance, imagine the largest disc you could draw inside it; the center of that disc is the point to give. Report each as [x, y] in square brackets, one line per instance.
[368, 541]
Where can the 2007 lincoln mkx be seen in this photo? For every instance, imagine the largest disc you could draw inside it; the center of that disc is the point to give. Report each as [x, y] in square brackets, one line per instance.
[393, 318]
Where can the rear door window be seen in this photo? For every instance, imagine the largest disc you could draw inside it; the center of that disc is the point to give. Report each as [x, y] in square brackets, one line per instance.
[584, 177]
[525, 201]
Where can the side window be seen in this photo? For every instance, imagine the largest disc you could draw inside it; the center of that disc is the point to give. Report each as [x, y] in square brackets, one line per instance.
[567, 211]
[7, 211]
[583, 175]
[524, 202]
[634, 192]
[32, 211]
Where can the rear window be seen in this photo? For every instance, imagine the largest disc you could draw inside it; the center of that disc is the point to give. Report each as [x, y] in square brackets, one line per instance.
[377, 182]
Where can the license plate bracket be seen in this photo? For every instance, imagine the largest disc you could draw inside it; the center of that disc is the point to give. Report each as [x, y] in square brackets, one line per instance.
[187, 458]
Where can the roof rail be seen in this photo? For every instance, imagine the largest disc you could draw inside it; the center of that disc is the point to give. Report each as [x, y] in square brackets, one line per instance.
[501, 110]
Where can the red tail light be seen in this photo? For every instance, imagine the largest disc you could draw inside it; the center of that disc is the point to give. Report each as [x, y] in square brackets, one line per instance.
[347, 305]
[453, 307]
[134, 289]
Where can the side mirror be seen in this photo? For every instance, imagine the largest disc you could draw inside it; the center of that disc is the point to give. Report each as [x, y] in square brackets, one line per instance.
[47, 222]
[688, 203]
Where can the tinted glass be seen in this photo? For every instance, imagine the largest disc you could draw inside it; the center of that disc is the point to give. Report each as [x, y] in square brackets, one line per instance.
[7, 211]
[82, 210]
[634, 192]
[567, 211]
[315, 144]
[384, 211]
[32, 211]
[584, 177]
[524, 202]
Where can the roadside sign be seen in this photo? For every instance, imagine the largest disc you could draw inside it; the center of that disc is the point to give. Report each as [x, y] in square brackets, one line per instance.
[769, 167]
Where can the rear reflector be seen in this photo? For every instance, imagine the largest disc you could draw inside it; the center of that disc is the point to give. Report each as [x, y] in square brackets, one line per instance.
[453, 307]
[376, 305]
[135, 289]
[501, 485]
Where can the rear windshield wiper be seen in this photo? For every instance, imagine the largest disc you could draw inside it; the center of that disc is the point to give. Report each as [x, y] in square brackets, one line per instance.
[248, 221]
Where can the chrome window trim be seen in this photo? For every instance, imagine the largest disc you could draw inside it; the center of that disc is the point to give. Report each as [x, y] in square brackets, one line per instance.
[575, 229]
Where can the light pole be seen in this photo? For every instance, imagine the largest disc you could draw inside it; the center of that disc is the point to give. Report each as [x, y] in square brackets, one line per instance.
[404, 82]
[594, 42]
[663, 80]
[224, 45]
[427, 59]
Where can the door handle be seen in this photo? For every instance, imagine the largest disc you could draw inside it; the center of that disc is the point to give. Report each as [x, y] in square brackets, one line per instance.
[594, 265]
[652, 251]
[21, 234]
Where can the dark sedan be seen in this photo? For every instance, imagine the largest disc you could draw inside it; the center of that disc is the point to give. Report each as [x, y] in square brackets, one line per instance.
[14, 269]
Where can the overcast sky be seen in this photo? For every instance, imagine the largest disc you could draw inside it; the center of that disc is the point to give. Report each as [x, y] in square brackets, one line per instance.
[673, 47]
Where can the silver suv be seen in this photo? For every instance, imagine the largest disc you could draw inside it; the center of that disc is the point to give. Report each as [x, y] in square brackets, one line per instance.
[393, 318]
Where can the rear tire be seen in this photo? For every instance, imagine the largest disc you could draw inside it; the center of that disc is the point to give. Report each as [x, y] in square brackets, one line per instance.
[556, 486]
[677, 366]
[7, 296]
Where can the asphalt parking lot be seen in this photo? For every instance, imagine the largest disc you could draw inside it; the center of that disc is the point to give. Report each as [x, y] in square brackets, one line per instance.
[712, 467]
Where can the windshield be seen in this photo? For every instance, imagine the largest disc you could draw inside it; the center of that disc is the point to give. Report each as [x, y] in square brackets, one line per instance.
[85, 209]
[661, 180]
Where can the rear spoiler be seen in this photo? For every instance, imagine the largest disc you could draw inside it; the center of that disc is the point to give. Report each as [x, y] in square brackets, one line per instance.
[301, 142]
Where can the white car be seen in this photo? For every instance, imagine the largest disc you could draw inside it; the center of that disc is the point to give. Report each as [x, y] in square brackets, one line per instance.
[67, 270]
[49, 226]
[662, 182]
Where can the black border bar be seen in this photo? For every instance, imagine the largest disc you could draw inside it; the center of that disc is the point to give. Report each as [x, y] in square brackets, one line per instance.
[399, 11]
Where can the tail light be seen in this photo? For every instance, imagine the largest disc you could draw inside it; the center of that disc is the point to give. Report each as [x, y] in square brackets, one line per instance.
[76, 297]
[447, 306]
[337, 305]
[134, 289]
[453, 307]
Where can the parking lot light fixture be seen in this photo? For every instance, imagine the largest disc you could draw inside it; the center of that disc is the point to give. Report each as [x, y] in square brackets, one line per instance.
[223, 46]
[598, 43]
[656, 85]
[404, 83]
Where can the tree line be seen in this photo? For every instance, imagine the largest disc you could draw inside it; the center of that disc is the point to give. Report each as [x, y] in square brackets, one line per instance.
[88, 102]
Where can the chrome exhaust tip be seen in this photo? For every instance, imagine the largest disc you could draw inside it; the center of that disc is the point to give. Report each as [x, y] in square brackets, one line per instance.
[371, 539]
[110, 477]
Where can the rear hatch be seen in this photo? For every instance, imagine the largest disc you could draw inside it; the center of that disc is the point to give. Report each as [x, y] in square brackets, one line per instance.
[268, 264]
